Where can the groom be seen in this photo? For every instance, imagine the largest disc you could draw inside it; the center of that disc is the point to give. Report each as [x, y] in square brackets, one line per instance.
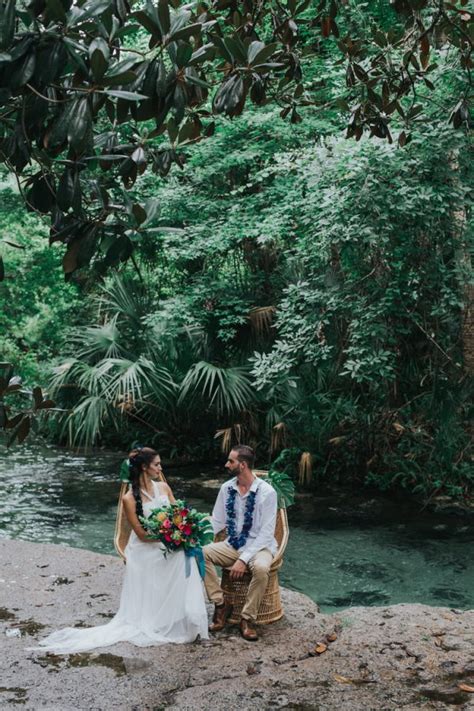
[247, 507]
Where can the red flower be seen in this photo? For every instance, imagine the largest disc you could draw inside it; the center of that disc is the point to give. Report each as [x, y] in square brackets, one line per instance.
[187, 530]
[167, 537]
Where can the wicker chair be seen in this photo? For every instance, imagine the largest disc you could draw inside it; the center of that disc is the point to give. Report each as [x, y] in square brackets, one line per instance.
[122, 526]
[235, 591]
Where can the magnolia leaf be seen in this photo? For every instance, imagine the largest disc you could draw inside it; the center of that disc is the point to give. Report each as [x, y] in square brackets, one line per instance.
[128, 95]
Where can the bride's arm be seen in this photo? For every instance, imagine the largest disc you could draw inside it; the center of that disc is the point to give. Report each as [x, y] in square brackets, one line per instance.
[169, 493]
[129, 505]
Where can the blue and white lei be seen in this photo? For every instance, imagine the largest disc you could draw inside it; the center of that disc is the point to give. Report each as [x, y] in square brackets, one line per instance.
[238, 541]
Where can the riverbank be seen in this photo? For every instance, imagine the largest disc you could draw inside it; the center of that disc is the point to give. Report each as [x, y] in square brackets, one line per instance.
[379, 659]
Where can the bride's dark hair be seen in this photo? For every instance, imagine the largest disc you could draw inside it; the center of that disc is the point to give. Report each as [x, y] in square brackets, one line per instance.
[137, 459]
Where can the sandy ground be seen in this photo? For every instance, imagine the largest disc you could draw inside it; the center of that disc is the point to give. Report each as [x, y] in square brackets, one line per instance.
[375, 659]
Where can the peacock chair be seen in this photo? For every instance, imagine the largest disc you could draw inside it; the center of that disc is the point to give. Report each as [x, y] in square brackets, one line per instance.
[122, 526]
[235, 591]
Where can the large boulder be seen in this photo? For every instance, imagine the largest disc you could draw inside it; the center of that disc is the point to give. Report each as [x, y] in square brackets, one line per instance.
[372, 659]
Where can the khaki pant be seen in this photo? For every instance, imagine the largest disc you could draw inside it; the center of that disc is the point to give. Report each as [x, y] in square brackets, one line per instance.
[224, 555]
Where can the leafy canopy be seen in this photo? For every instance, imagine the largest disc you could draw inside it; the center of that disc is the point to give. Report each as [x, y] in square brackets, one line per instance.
[95, 92]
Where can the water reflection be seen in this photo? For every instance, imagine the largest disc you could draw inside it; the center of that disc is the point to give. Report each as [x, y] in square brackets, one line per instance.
[381, 564]
[55, 496]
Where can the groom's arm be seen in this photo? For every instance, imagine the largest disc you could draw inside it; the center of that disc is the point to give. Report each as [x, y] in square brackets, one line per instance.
[218, 512]
[266, 534]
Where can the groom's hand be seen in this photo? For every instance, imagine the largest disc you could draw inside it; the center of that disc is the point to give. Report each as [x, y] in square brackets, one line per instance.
[238, 569]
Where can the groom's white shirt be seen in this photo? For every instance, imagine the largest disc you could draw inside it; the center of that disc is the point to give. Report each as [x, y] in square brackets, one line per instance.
[262, 533]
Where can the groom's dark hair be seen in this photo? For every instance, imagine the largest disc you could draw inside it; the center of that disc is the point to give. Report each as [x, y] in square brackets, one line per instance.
[245, 454]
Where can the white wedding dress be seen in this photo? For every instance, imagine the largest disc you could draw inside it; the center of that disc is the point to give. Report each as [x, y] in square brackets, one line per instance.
[158, 604]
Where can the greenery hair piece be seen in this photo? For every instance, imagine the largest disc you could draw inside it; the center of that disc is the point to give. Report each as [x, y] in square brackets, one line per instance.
[124, 471]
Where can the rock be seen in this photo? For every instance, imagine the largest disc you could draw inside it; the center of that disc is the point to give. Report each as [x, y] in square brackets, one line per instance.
[452, 643]
[226, 672]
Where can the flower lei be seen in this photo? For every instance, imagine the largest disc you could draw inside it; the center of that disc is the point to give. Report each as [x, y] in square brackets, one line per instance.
[238, 541]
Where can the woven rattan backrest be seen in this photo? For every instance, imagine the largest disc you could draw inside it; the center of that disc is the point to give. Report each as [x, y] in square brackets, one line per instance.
[281, 527]
[122, 526]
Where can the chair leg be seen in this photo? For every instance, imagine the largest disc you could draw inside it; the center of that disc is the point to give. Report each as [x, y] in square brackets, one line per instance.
[235, 592]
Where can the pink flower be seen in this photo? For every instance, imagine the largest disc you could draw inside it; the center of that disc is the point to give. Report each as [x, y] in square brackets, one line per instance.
[167, 523]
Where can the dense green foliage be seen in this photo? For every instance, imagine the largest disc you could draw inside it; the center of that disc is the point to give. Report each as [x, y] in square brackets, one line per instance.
[91, 83]
[296, 290]
[36, 303]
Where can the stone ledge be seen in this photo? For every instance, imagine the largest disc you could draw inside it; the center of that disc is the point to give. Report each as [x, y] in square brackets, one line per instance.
[403, 656]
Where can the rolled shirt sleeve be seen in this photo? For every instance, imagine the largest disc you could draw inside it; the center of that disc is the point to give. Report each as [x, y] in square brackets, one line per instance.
[265, 537]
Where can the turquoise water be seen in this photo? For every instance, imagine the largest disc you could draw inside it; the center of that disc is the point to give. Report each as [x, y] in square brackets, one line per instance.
[336, 556]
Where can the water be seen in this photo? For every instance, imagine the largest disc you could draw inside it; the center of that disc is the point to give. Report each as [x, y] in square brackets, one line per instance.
[335, 555]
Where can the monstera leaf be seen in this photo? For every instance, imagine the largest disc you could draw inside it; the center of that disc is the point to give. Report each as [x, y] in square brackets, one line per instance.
[283, 486]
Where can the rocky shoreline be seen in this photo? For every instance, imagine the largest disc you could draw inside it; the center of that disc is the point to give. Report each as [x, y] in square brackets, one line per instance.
[368, 658]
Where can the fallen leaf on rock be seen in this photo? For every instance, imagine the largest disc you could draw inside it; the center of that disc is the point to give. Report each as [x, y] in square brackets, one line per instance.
[341, 679]
[320, 648]
[252, 670]
[467, 687]
[331, 637]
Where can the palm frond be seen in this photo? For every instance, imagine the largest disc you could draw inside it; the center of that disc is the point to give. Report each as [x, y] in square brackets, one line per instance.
[95, 378]
[229, 436]
[261, 319]
[125, 299]
[228, 390]
[97, 342]
[225, 435]
[278, 437]
[76, 373]
[134, 380]
[305, 469]
[85, 423]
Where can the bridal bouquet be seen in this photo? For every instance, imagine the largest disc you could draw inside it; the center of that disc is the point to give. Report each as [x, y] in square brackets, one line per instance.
[178, 526]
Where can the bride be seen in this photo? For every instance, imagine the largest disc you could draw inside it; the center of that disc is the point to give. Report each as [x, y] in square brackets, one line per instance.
[158, 604]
